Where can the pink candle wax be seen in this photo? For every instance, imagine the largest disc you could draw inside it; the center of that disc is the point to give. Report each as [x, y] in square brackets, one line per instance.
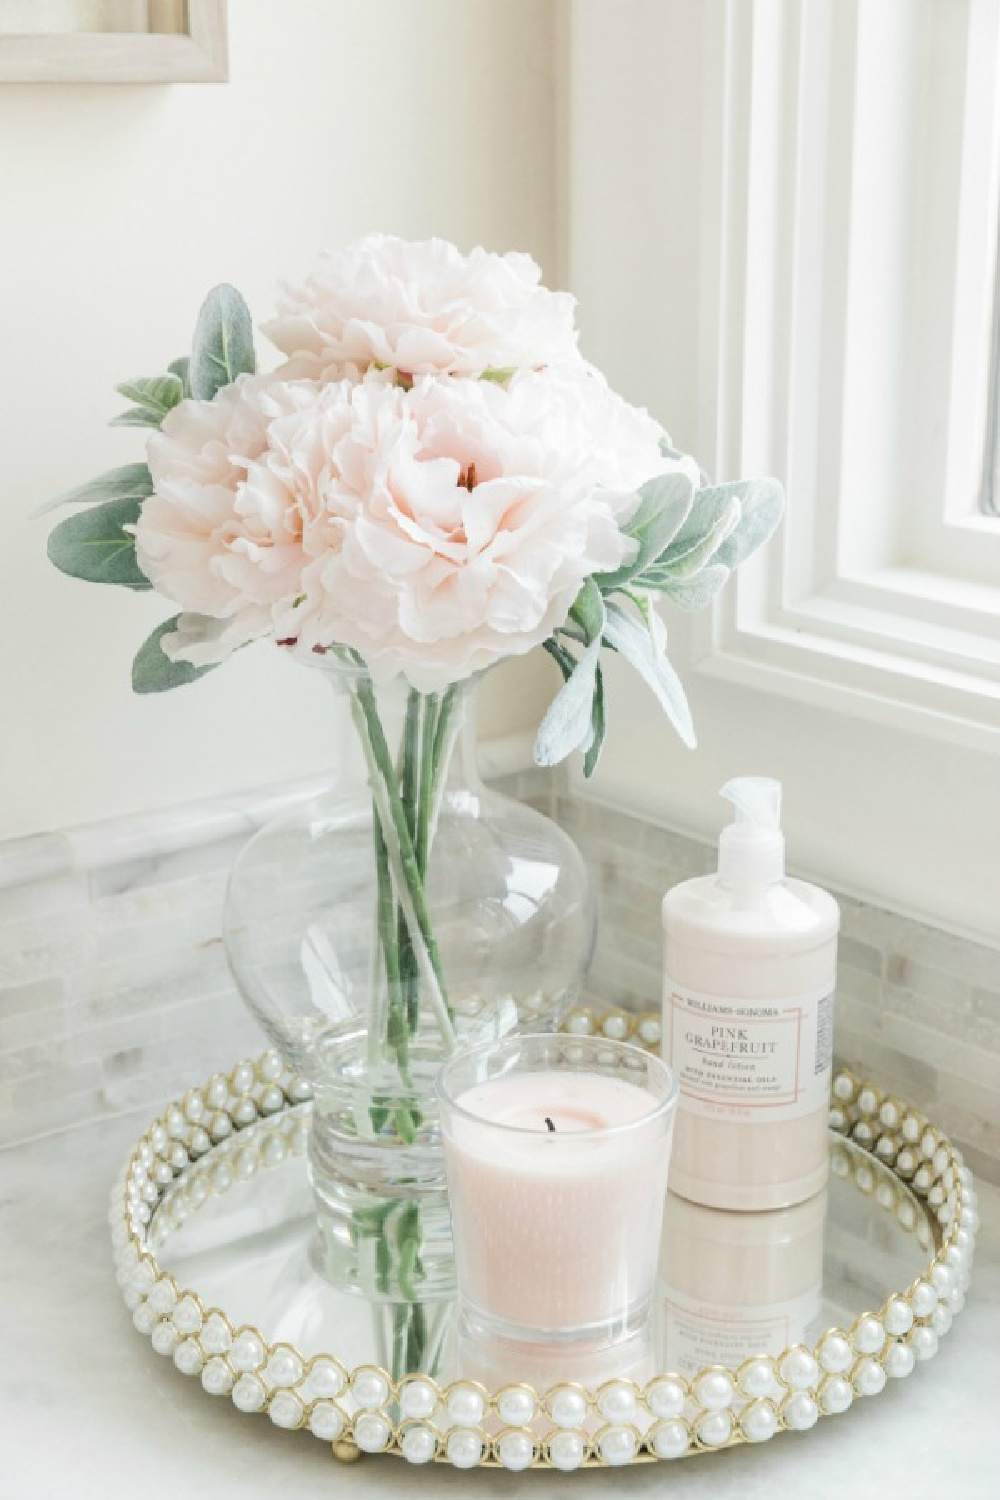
[557, 1180]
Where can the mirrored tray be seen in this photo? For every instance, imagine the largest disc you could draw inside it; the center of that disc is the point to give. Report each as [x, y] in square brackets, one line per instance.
[763, 1322]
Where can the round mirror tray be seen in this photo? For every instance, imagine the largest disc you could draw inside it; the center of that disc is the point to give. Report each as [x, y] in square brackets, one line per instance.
[762, 1323]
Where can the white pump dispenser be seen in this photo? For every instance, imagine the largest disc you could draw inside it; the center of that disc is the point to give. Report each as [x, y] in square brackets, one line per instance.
[752, 850]
[749, 973]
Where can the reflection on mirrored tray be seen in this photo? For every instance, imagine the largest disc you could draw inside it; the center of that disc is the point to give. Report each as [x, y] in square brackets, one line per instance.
[237, 1230]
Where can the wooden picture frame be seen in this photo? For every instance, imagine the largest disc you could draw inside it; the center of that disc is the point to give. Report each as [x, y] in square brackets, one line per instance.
[164, 41]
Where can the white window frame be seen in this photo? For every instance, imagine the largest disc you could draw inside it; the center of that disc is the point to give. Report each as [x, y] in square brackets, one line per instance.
[898, 620]
[713, 290]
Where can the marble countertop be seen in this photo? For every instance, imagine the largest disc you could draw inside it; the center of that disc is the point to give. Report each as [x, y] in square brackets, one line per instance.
[85, 1403]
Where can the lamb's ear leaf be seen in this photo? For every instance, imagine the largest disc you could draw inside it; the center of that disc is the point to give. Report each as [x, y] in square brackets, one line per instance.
[664, 504]
[98, 545]
[631, 638]
[697, 592]
[156, 394]
[568, 722]
[130, 482]
[223, 343]
[154, 672]
[762, 502]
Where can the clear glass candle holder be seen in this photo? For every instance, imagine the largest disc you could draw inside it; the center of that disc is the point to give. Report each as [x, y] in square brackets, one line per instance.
[556, 1150]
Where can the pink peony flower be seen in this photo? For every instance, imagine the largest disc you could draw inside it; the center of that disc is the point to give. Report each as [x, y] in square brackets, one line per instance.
[423, 308]
[203, 539]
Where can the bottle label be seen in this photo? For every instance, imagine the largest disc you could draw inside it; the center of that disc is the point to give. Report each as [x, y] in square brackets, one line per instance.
[749, 1059]
[697, 1333]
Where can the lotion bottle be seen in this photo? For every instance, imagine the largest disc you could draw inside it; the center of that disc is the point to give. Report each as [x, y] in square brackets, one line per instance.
[749, 975]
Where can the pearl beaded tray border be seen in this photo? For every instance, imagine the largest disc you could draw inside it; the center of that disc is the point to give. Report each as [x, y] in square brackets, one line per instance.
[194, 1150]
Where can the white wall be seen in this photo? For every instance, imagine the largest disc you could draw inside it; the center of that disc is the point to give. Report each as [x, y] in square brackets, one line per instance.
[120, 206]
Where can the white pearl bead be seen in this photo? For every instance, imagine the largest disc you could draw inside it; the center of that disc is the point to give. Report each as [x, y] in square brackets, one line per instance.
[286, 1410]
[218, 1091]
[222, 1178]
[326, 1421]
[906, 1214]
[464, 1447]
[906, 1163]
[615, 1028]
[869, 1377]
[889, 1115]
[567, 1450]
[568, 1406]
[923, 1299]
[943, 1280]
[617, 1445]
[516, 1450]
[326, 1379]
[758, 1378]
[898, 1360]
[175, 1122]
[249, 1393]
[246, 1163]
[837, 1119]
[220, 1126]
[242, 1077]
[244, 1112]
[271, 1100]
[187, 1315]
[617, 1402]
[216, 1335]
[799, 1369]
[759, 1421]
[921, 1180]
[371, 1431]
[863, 1175]
[417, 1398]
[144, 1319]
[163, 1296]
[941, 1319]
[247, 1352]
[670, 1439]
[370, 1388]
[923, 1341]
[714, 1390]
[284, 1367]
[898, 1317]
[516, 1406]
[466, 1405]
[418, 1444]
[835, 1395]
[835, 1354]
[665, 1398]
[188, 1357]
[273, 1151]
[800, 1412]
[869, 1336]
[217, 1377]
[843, 1087]
[165, 1337]
[714, 1429]
[271, 1066]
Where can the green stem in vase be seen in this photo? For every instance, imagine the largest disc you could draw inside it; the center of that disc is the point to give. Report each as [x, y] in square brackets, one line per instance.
[406, 875]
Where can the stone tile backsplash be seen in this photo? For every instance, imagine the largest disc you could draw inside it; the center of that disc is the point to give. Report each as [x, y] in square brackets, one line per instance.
[114, 989]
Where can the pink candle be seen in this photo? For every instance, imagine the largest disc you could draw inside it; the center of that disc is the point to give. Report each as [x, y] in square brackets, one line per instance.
[557, 1156]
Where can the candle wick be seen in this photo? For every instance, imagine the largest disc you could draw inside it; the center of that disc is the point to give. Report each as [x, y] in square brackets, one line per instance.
[549, 1123]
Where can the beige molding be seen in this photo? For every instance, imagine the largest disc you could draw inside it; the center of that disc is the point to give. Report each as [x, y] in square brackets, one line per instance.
[173, 44]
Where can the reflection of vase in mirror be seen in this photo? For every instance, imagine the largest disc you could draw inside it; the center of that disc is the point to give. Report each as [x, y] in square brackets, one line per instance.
[407, 911]
[735, 1285]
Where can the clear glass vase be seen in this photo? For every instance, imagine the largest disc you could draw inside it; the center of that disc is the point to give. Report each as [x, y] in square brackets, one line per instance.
[404, 913]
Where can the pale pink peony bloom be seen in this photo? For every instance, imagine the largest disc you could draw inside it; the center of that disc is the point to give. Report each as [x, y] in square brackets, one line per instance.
[206, 541]
[422, 307]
